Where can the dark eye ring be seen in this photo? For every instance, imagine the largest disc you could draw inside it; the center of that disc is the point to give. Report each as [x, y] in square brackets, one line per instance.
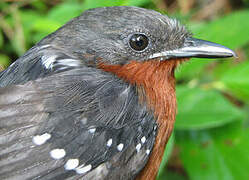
[138, 42]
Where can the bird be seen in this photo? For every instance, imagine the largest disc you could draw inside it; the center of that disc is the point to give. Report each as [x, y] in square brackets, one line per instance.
[96, 98]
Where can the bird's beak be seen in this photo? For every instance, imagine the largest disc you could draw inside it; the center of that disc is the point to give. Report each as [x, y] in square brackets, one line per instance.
[193, 47]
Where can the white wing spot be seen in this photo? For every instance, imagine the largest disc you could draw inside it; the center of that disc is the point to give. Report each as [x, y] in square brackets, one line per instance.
[143, 139]
[92, 130]
[120, 147]
[109, 143]
[161, 20]
[69, 62]
[45, 46]
[125, 91]
[138, 147]
[48, 61]
[147, 151]
[83, 169]
[57, 153]
[84, 120]
[71, 164]
[41, 139]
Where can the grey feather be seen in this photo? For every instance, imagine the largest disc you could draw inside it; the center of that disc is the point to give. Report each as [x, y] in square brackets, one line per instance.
[57, 105]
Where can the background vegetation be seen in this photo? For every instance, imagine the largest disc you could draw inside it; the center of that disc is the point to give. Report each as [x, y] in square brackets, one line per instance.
[211, 138]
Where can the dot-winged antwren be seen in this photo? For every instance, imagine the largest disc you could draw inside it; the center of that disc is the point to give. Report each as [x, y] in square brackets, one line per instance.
[96, 98]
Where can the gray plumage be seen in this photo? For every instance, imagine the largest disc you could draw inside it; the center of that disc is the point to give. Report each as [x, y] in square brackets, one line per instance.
[67, 106]
[99, 33]
[61, 117]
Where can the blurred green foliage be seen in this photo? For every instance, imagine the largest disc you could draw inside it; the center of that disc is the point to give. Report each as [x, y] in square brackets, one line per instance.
[211, 138]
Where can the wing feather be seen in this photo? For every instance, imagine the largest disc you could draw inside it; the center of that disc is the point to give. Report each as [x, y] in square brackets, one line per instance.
[83, 115]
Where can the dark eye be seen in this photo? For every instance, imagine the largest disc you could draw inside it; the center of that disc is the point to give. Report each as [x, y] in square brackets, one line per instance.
[138, 42]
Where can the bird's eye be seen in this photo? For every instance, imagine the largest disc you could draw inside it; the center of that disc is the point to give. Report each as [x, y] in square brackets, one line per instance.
[138, 42]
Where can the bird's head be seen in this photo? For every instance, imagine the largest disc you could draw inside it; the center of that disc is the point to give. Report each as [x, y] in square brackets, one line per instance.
[141, 46]
[119, 35]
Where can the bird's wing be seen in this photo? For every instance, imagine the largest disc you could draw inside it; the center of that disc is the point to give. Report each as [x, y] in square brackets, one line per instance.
[82, 123]
[39, 61]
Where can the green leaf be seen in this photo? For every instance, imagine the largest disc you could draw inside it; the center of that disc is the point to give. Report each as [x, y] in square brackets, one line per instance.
[64, 12]
[42, 27]
[171, 176]
[199, 109]
[29, 20]
[167, 153]
[136, 2]
[1, 39]
[229, 30]
[3, 5]
[4, 61]
[46, 25]
[192, 69]
[236, 80]
[29, 17]
[221, 153]
[88, 4]
[221, 68]
[39, 5]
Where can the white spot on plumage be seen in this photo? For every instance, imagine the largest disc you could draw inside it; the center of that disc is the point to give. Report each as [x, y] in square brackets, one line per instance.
[138, 147]
[83, 169]
[155, 127]
[92, 130]
[84, 120]
[120, 147]
[69, 62]
[143, 139]
[45, 46]
[48, 61]
[147, 151]
[126, 91]
[57, 153]
[71, 164]
[41, 139]
[109, 143]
